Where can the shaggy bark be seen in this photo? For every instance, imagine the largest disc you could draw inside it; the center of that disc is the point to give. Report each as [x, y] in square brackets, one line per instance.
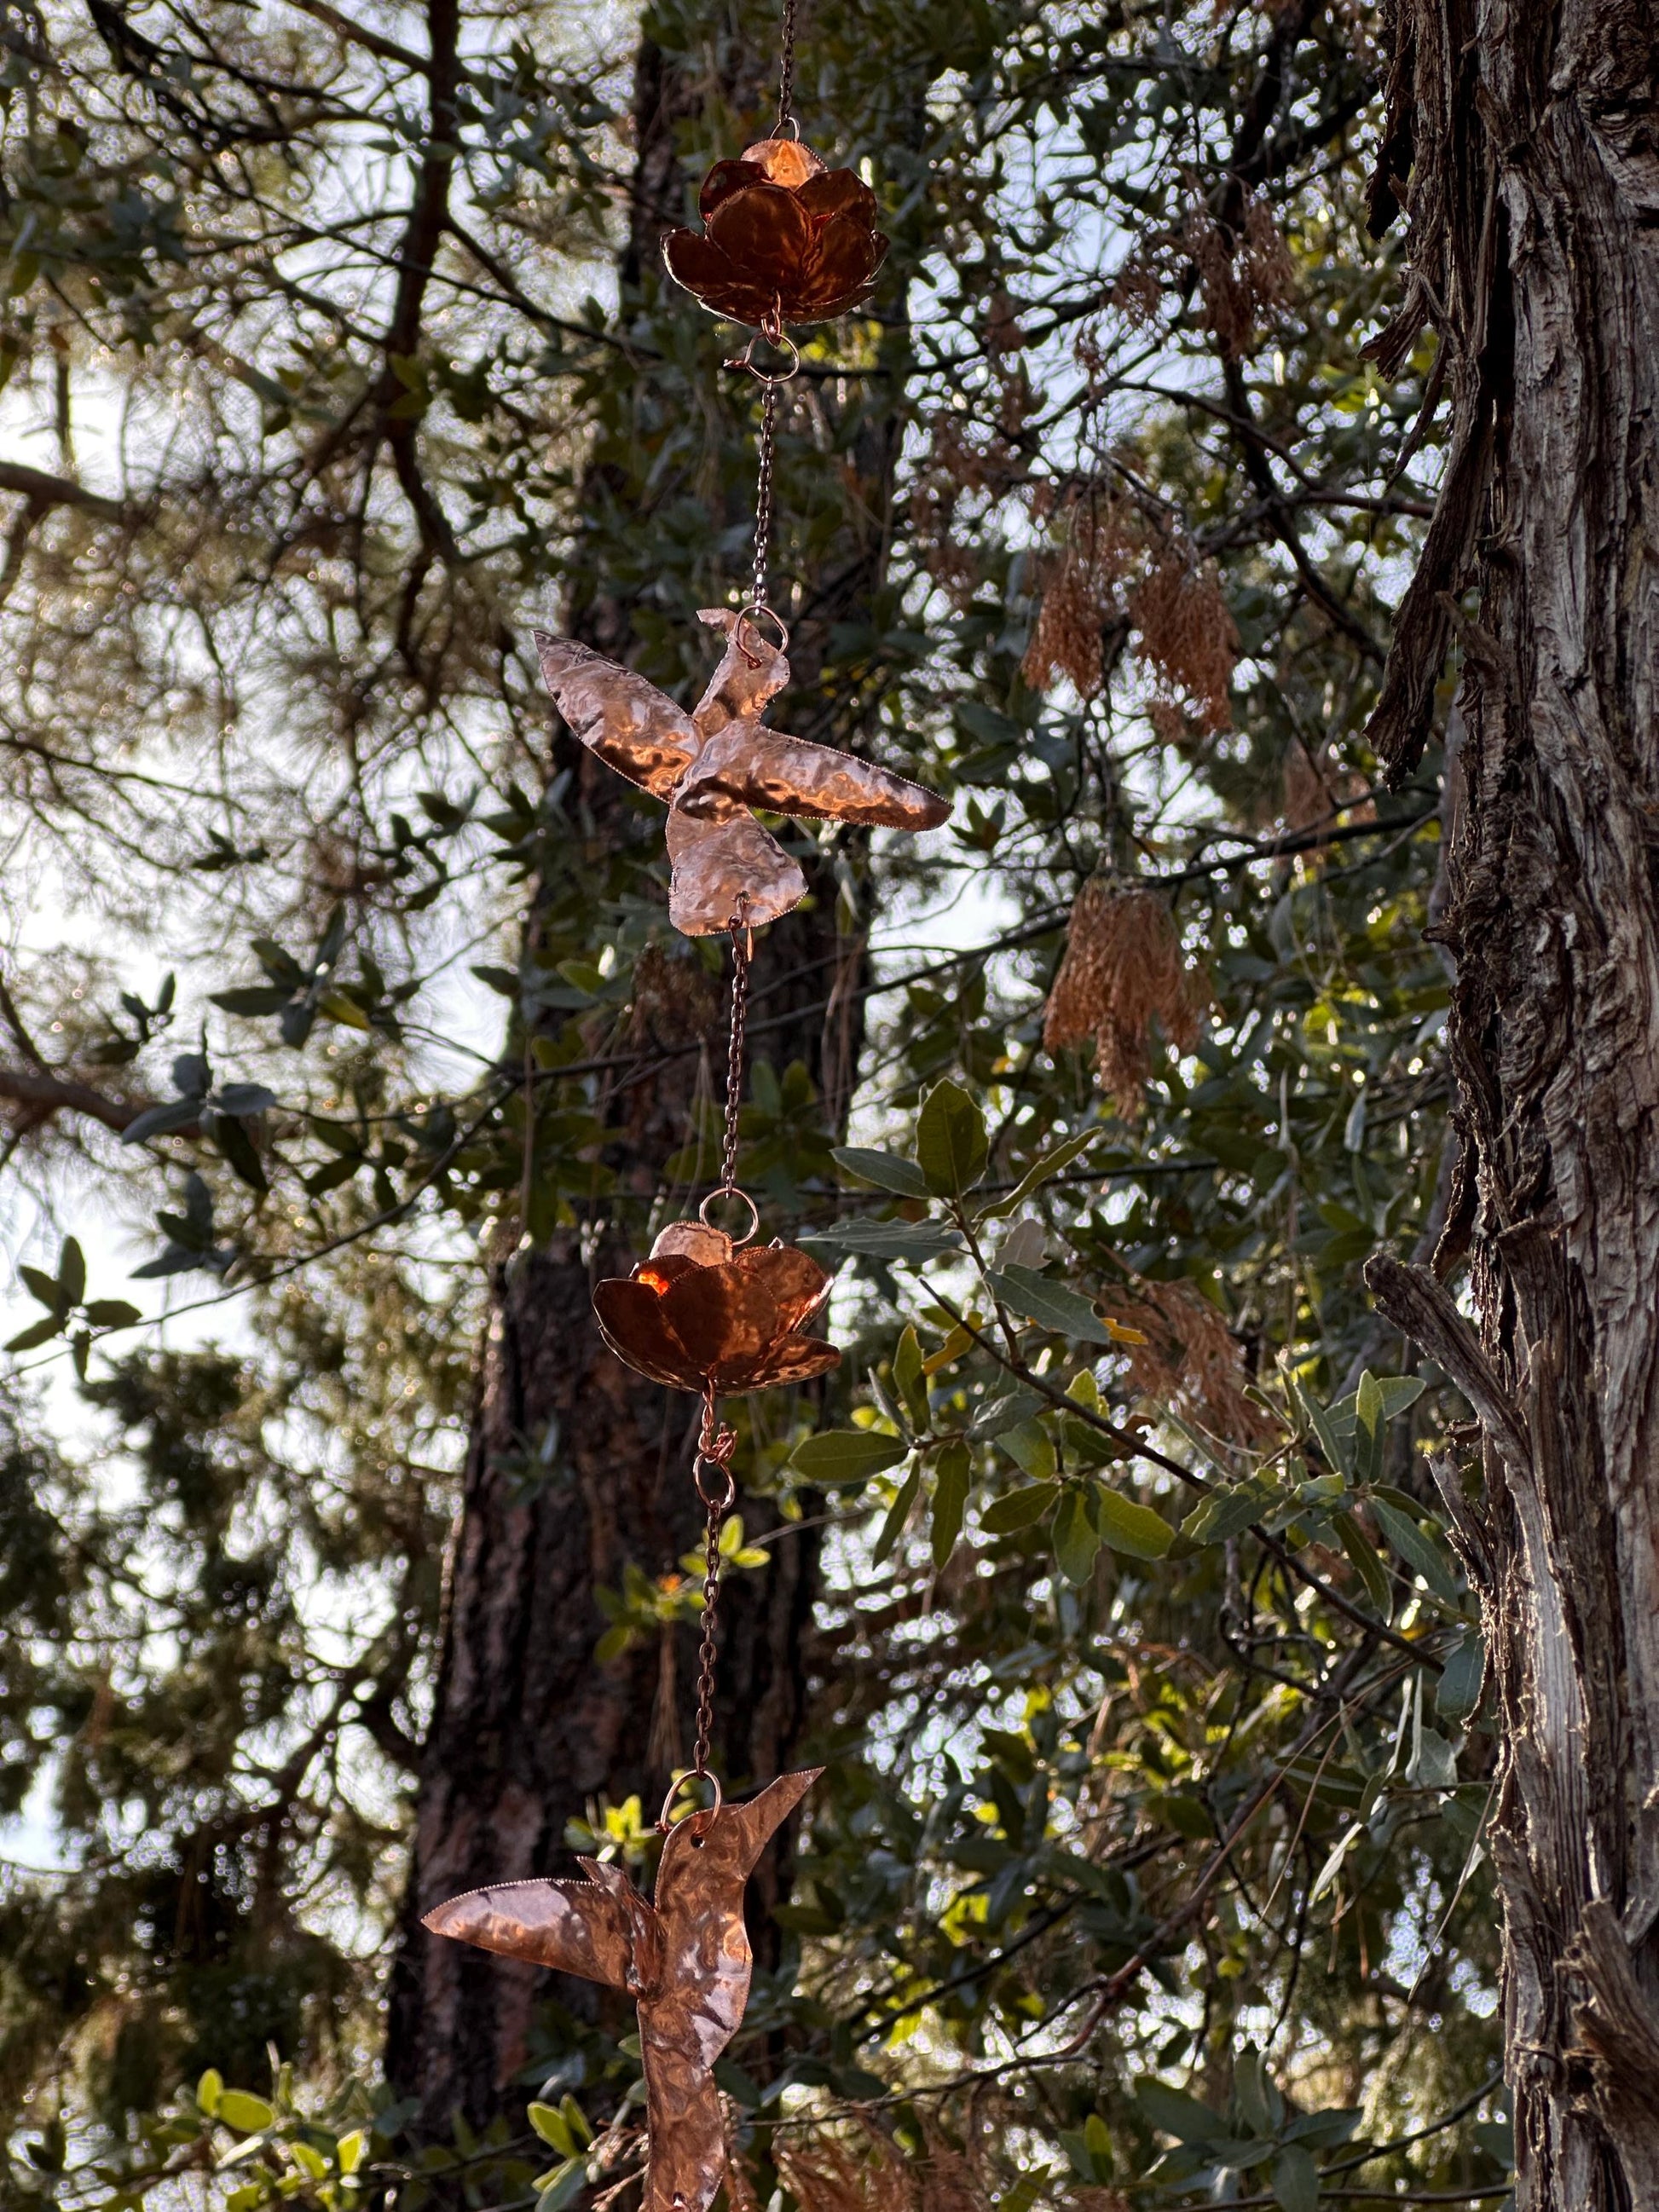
[1529, 131]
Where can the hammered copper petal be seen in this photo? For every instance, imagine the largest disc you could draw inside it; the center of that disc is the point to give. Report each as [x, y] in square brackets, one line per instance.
[847, 257]
[572, 1925]
[765, 234]
[791, 1360]
[724, 1316]
[834, 192]
[633, 726]
[750, 765]
[692, 1241]
[717, 862]
[796, 1284]
[696, 261]
[722, 180]
[751, 671]
[632, 1322]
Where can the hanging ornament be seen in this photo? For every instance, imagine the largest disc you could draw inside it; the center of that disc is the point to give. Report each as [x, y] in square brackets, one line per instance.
[786, 239]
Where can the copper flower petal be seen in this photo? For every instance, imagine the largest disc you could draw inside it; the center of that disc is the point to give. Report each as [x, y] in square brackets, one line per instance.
[690, 1243]
[837, 191]
[714, 861]
[795, 1285]
[847, 256]
[634, 1321]
[696, 262]
[722, 180]
[792, 1359]
[724, 1317]
[765, 234]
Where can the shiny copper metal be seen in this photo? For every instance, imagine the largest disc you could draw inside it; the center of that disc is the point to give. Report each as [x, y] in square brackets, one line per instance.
[784, 240]
[683, 1956]
[701, 1314]
[714, 763]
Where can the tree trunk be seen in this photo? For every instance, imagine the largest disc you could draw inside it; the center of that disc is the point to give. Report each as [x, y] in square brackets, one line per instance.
[527, 1729]
[1535, 205]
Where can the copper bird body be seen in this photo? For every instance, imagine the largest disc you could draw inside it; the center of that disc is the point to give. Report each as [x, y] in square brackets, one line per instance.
[715, 763]
[683, 1956]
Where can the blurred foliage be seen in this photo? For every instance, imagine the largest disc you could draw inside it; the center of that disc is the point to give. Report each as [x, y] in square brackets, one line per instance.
[1147, 1666]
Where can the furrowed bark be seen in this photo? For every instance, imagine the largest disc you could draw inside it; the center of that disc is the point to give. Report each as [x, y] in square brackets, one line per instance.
[1535, 203]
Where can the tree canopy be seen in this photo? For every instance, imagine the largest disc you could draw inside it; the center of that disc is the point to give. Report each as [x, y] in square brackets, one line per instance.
[1146, 1661]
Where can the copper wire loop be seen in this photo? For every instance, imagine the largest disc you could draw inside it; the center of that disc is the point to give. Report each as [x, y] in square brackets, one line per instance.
[752, 617]
[704, 1815]
[719, 1500]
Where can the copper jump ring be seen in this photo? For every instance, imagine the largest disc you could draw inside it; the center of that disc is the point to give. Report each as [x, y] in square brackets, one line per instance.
[704, 1813]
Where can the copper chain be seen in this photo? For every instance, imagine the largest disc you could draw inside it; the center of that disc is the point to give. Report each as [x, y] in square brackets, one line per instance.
[764, 494]
[786, 66]
[740, 952]
[715, 1445]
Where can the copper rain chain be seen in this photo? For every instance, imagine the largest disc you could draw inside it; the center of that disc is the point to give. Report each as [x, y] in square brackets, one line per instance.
[785, 240]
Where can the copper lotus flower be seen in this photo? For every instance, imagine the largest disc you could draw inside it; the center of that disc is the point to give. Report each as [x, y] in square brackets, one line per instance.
[785, 239]
[700, 1312]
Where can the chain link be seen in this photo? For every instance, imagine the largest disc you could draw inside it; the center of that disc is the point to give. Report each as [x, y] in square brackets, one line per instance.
[715, 1445]
[787, 67]
[763, 495]
[741, 948]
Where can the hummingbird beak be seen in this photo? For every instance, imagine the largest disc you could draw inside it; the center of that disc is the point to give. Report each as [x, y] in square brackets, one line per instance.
[756, 1822]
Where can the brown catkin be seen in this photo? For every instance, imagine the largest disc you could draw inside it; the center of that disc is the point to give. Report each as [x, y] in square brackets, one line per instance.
[1191, 1362]
[1078, 599]
[1187, 632]
[1123, 969]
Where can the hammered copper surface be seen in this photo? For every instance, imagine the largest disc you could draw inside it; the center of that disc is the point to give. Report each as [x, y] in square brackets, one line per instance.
[715, 763]
[783, 239]
[735, 1322]
[684, 1957]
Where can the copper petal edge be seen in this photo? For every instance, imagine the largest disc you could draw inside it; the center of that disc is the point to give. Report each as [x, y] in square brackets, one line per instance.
[633, 726]
[575, 1926]
[632, 1322]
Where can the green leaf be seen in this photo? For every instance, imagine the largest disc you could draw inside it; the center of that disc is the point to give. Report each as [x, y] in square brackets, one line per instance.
[1051, 1305]
[161, 1121]
[237, 1146]
[209, 2090]
[1077, 1540]
[1296, 2180]
[1225, 1513]
[881, 1170]
[1127, 1527]
[848, 1455]
[1031, 1448]
[1363, 1553]
[553, 2128]
[72, 1272]
[950, 1499]
[914, 1241]
[41, 1332]
[1018, 1508]
[1038, 1173]
[1418, 1551]
[1319, 1423]
[45, 1287]
[897, 1514]
[912, 1383]
[1369, 1422]
[246, 2114]
[111, 1313]
[1458, 1691]
[951, 1148]
[1173, 2112]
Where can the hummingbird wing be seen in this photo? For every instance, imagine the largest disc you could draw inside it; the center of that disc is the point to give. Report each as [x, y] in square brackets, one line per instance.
[575, 1926]
[621, 716]
[716, 857]
[750, 765]
[752, 672]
